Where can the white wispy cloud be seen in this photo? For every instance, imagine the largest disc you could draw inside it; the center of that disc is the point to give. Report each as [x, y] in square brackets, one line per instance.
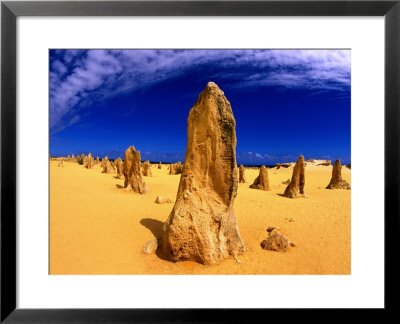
[81, 78]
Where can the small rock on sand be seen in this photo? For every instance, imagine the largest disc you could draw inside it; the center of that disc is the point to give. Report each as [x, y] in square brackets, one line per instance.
[150, 247]
[277, 242]
[161, 200]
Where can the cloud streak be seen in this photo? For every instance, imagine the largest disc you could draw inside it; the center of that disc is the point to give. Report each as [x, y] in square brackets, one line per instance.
[80, 79]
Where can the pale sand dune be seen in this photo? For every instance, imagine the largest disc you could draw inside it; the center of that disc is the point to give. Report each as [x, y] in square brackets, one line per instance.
[96, 227]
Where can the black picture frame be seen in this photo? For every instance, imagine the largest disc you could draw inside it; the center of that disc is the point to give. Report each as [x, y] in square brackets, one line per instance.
[10, 10]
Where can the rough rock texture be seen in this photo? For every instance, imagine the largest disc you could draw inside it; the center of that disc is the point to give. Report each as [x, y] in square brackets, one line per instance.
[336, 181]
[159, 165]
[175, 168]
[107, 166]
[276, 241]
[119, 167]
[202, 225]
[161, 200]
[286, 182]
[61, 163]
[242, 178]
[262, 181]
[295, 189]
[132, 171]
[147, 169]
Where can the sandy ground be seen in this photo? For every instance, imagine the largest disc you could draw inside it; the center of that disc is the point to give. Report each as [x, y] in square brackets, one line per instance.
[96, 227]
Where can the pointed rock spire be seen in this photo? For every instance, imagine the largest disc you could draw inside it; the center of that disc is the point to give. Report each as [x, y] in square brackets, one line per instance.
[336, 181]
[295, 189]
[202, 226]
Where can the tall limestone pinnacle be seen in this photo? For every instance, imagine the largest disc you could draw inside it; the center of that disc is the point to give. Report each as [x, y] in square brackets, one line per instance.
[262, 181]
[337, 182]
[133, 172]
[295, 188]
[202, 226]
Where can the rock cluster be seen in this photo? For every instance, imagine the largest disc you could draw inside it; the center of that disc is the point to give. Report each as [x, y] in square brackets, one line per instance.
[337, 182]
[262, 181]
[175, 168]
[132, 171]
[202, 226]
[107, 166]
[295, 189]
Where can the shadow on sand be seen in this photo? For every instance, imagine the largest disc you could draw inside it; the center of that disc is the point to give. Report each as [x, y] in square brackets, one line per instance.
[119, 186]
[155, 226]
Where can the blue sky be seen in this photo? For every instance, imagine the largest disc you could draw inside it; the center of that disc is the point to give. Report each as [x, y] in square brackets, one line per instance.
[285, 102]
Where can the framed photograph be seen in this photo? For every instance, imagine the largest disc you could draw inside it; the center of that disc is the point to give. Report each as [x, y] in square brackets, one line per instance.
[237, 156]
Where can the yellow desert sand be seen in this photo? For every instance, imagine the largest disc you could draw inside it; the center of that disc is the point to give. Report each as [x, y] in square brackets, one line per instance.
[97, 227]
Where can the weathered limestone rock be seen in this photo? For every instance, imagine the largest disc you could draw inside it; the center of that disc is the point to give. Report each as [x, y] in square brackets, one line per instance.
[72, 156]
[175, 168]
[262, 181]
[276, 241]
[61, 163]
[68, 158]
[132, 171]
[89, 162]
[159, 165]
[97, 160]
[119, 166]
[295, 189]
[147, 169]
[107, 166]
[336, 181]
[161, 200]
[202, 226]
[242, 178]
